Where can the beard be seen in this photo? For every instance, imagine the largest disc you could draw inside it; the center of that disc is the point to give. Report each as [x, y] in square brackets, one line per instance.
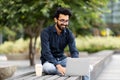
[61, 26]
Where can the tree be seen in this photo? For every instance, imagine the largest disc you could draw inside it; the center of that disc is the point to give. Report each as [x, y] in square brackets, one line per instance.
[29, 16]
[86, 14]
[26, 13]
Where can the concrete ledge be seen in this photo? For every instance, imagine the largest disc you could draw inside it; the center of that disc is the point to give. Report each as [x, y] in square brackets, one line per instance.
[17, 56]
[99, 60]
[25, 56]
[102, 59]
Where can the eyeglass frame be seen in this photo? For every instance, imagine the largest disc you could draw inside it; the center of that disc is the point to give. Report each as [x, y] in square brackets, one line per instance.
[63, 21]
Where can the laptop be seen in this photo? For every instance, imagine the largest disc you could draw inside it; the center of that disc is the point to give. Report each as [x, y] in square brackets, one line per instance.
[77, 67]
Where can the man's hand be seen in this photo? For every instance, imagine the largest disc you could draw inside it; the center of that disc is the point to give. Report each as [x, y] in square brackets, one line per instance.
[61, 69]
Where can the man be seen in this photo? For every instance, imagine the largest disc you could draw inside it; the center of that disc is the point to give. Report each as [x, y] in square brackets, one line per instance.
[53, 41]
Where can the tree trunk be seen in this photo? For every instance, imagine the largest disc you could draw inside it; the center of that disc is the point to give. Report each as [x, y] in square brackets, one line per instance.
[31, 53]
[33, 32]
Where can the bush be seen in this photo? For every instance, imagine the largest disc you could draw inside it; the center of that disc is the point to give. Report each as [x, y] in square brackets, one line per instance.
[19, 46]
[89, 44]
[94, 44]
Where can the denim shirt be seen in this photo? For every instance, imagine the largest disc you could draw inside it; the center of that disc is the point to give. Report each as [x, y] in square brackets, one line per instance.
[52, 45]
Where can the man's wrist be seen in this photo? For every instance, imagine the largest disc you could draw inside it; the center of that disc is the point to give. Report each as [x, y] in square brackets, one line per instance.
[58, 65]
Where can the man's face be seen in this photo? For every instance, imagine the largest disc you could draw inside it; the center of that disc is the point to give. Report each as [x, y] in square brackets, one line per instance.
[62, 21]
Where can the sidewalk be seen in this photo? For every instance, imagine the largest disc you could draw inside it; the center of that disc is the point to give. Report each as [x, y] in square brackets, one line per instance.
[18, 63]
[112, 71]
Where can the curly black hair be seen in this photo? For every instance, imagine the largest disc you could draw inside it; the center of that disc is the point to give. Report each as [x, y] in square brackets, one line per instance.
[61, 10]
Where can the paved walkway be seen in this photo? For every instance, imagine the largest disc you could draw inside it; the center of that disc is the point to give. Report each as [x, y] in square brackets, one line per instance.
[18, 63]
[112, 70]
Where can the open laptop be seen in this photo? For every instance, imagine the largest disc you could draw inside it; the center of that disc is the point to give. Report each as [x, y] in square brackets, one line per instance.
[77, 67]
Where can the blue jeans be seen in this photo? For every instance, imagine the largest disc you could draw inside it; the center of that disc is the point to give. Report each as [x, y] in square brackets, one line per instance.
[50, 68]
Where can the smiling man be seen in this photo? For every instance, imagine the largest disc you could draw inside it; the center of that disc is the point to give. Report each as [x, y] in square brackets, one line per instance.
[54, 39]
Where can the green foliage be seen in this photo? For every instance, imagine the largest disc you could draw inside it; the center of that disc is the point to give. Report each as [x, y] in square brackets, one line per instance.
[94, 44]
[8, 33]
[18, 46]
[30, 16]
[29, 13]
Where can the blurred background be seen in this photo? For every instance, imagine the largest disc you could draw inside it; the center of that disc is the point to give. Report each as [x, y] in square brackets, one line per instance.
[95, 24]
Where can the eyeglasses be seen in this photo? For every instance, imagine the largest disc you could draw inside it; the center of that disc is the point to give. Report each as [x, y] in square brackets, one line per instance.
[63, 21]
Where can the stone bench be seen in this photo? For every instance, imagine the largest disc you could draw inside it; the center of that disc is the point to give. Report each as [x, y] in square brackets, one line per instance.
[6, 71]
[98, 60]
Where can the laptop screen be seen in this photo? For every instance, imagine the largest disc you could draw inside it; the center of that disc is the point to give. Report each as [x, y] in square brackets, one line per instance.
[77, 66]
